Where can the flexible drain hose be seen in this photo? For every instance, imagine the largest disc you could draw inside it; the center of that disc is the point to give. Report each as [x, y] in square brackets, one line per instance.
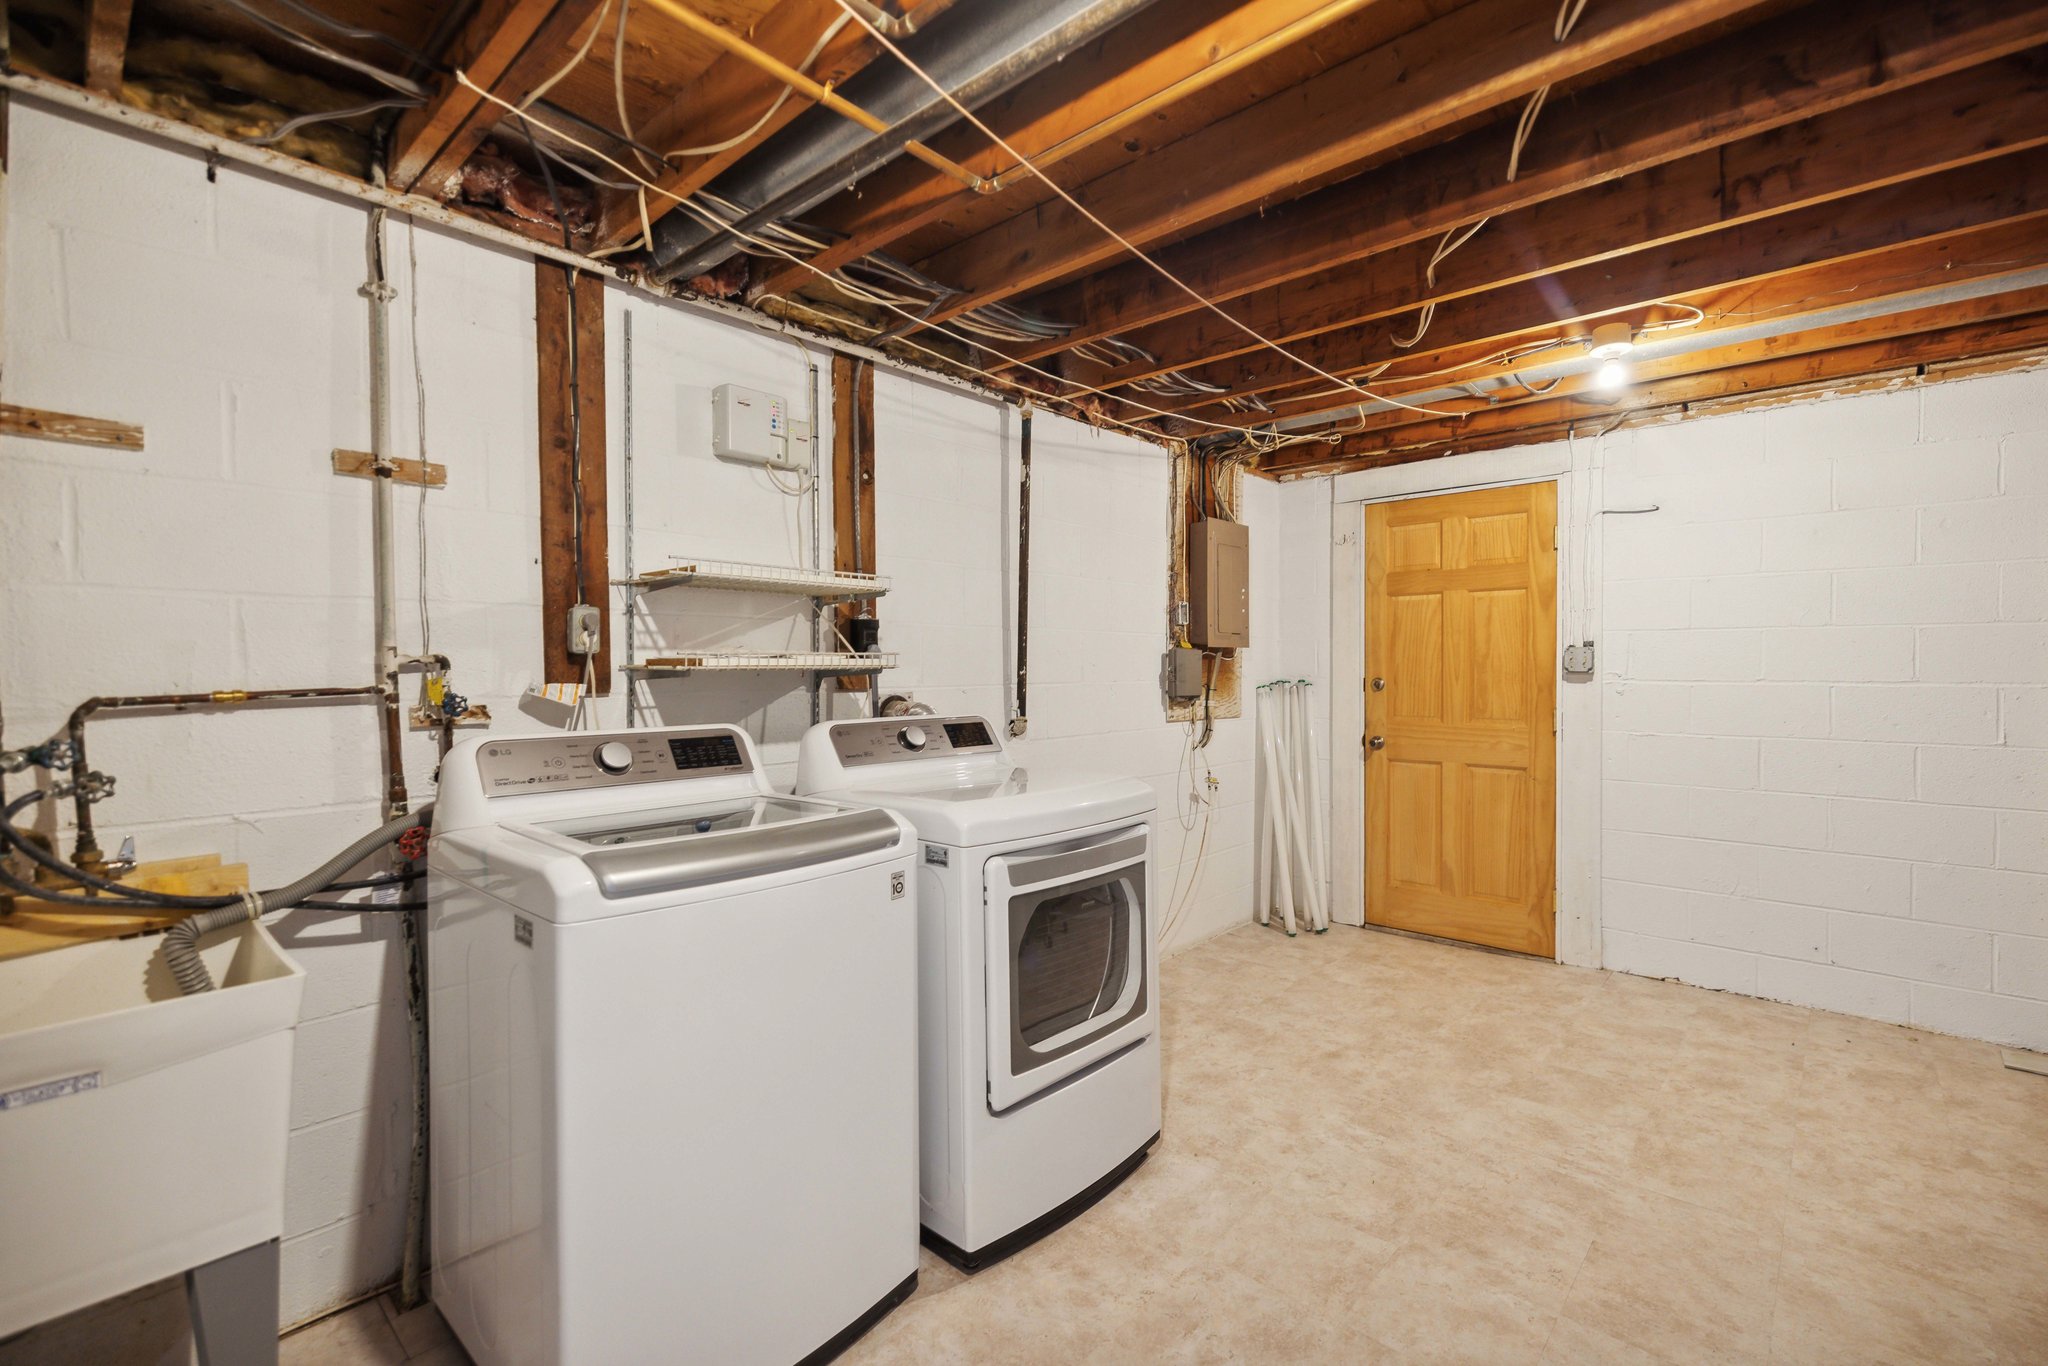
[181, 941]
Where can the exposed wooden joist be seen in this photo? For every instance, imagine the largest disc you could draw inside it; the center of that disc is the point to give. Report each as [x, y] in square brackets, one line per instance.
[1788, 69]
[1473, 59]
[2021, 336]
[731, 97]
[106, 44]
[1965, 117]
[508, 47]
[1581, 390]
[2006, 189]
[853, 482]
[1126, 76]
[572, 467]
[1957, 259]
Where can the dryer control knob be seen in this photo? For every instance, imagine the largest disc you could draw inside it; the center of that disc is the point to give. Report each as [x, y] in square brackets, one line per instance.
[913, 737]
[613, 756]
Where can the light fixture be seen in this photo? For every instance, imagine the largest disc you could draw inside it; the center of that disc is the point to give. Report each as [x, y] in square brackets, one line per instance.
[1609, 343]
[1612, 341]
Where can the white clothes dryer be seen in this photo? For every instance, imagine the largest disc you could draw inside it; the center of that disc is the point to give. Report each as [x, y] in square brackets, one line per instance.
[673, 1055]
[1038, 996]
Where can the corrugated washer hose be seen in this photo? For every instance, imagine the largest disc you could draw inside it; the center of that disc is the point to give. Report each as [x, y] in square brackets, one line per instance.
[181, 941]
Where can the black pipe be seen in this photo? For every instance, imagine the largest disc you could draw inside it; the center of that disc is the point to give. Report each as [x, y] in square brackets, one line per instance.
[1019, 721]
[976, 51]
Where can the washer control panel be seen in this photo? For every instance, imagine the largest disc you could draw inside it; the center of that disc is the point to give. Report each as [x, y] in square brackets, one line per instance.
[543, 763]
[895, 739]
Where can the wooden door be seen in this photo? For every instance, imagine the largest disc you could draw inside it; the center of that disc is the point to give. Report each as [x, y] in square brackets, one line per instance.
[1460, 765]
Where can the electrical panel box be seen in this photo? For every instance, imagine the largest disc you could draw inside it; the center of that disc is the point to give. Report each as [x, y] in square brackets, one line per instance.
[753, 428]
[1219, 584]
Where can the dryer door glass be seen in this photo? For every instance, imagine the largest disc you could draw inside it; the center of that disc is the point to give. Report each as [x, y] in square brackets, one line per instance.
[1073, 958]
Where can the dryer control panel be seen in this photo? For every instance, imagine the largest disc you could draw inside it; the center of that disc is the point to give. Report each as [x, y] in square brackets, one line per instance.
[895, 739]
[545, 763]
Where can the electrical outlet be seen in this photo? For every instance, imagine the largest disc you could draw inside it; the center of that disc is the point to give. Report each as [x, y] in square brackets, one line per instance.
[1578, 659]
[586, 629]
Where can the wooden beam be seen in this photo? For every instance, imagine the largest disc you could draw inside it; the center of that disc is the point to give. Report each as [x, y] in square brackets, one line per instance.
[1957, 259]
[1581, 394]
[509, 47]
[2003, 190]
[1960, 119]
[106, 44]
[572, 467]
[732, 96]
[1791, 68]
[1476, 57]
[68, 427]
[1126, 76]
[853, 482]
[2023, 335]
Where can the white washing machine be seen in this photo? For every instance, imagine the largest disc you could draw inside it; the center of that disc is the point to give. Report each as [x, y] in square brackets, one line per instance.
[673, 1055]
[1038, 1050]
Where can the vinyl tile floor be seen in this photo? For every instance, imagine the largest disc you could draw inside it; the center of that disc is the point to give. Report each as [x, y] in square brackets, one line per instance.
[1384, 1149]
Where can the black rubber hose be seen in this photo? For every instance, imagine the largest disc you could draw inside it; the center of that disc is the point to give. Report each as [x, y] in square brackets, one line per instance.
[37, 854]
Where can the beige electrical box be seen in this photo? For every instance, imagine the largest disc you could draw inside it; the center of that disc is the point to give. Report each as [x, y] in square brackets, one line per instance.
[1219, 584]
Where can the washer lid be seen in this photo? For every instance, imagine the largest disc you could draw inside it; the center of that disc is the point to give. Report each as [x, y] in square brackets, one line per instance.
[970, 805]
[667, 848]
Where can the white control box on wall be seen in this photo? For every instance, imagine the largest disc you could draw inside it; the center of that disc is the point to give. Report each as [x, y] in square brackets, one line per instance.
[753, 428]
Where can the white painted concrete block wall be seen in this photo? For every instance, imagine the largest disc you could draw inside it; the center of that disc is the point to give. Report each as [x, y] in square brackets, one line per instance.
[223, 316]
[1826, 678]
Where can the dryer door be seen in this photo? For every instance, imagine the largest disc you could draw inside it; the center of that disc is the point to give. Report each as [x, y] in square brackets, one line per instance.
[1069, 940]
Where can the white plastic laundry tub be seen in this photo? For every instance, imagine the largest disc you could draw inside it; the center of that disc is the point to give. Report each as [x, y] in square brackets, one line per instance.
[142, 1132]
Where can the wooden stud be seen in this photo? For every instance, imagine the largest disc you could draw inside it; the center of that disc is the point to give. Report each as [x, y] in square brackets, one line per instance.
[363, 465]
[853, 482]
[1813, 60]
[106, 44]
[560, 415]
[68, 427]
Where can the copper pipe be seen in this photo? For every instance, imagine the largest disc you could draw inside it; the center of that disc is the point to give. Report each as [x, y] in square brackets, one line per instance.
[808, 88]
[85, 853]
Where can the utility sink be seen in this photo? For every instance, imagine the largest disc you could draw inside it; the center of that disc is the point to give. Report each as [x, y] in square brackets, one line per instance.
[143, 1131]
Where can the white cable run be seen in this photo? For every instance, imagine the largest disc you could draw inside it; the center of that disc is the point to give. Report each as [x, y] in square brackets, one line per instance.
[713, 220]
[1118, 237]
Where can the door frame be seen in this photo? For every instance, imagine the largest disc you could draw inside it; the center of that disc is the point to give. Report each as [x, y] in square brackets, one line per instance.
[1574, 467]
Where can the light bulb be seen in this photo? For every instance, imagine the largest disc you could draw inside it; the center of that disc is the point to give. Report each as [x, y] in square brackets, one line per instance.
[1612, 376]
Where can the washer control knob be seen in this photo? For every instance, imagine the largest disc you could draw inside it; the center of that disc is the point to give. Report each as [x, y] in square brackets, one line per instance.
[613, 756]
[913, 737]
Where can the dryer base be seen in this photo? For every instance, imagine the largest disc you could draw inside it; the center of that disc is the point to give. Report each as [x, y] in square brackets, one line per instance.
[1053, 1219]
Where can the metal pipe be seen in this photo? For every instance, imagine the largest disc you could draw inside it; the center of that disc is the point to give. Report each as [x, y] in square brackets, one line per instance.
[1020, 719]
[808, 88]
[85, 851]
[975, 52]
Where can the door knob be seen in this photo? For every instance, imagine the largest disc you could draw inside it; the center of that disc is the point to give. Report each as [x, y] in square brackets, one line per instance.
[1376, 742]
[1379, 685]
